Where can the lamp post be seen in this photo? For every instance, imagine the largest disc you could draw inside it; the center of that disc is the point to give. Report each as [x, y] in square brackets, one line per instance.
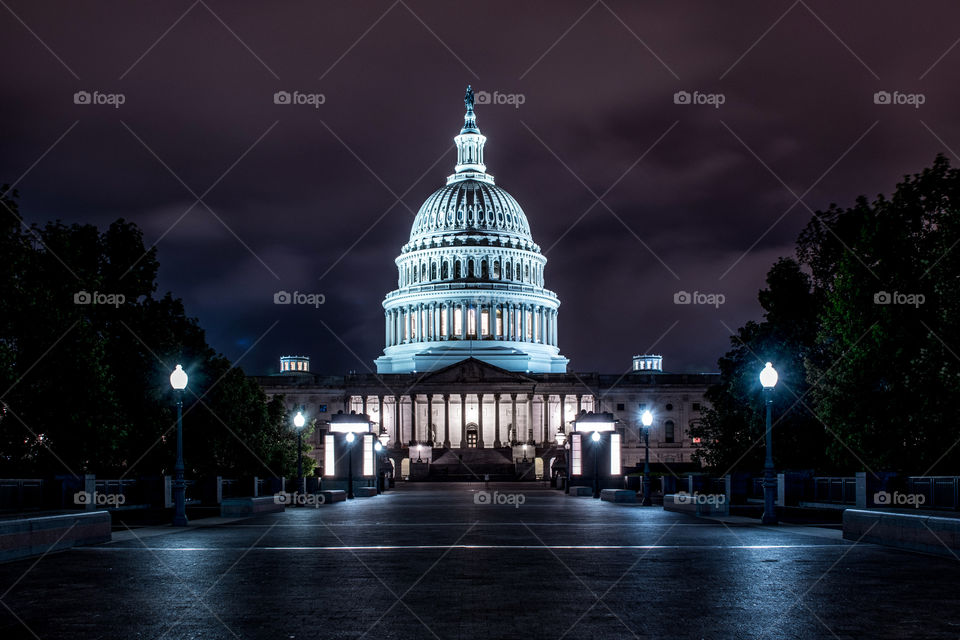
[595, 437]
[647, 420]
[384, 439]
[298, 422]
[350, 438]
[178, 380]
[768, 379]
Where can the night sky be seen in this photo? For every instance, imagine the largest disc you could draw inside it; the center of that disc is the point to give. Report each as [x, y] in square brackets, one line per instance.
[695, 197]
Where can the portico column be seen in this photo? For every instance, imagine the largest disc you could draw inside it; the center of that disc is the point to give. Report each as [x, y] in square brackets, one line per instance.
[413, 418]
[446, 420]
[523, 323]
[530, 418]
[463, 420]
[496, 421]
[480, 420]
[363, 399]
[397, 435]
[463, 319]
[383, 422]
[430, 419]
[513, 409]
[563, 410]
[546, 419]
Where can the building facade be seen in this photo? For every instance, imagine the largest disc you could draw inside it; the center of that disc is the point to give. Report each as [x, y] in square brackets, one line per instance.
[471, 358]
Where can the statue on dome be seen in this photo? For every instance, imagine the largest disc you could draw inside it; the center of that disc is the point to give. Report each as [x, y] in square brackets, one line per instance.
[468, 98]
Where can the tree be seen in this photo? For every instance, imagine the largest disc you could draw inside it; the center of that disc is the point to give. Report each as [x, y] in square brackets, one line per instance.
[87, 348]
[732, 427]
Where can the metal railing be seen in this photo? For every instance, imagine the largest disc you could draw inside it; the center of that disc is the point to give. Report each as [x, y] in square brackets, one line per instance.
[835, 490]
[940, 492]
[17, 494]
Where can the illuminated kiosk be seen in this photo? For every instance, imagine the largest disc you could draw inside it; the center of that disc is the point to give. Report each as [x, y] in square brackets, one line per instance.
[595, 452]
[349, 453]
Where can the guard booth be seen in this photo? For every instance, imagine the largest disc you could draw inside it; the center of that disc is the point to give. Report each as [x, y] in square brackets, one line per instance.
[594, 448]
[349, 453]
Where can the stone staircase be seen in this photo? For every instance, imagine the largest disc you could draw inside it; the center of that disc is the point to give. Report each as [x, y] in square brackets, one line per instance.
[457, 465]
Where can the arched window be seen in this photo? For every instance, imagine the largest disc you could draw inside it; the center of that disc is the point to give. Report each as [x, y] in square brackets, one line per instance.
[669, 431]
[423, 271]
[445, 271]
[526, 272]
[508, 271]
[484, 270]
[496, 269]
[433, 270]
[518, 271]
[471, 268]
[457, 269]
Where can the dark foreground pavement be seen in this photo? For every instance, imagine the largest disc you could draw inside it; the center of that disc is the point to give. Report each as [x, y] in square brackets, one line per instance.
[429, 562]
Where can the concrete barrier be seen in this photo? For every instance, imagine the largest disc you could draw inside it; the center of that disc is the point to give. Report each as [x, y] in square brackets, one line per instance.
[912, 531]
[365, 492]
[618, 495]
[28, 536]
[581, 491]
[698, 504]
[249, 506]
[333, 495]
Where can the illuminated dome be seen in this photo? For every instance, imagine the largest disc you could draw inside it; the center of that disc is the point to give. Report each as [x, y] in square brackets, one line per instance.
[470, 206]
[470, 279]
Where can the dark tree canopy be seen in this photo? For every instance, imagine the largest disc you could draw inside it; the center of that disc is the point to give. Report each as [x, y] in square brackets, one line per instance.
[85, 379]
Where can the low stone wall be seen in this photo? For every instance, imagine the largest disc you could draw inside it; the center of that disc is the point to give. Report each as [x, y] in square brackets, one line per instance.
[912, 531]
[333, 495]
[698, 504]
[249, 506]
[581, 491]
[364, 492]
[22, 537]
[618, 495]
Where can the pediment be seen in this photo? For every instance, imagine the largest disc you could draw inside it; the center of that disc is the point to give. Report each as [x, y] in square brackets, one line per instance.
[473, 371]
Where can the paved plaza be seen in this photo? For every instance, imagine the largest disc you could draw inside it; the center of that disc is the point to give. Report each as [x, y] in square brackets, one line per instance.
[433, 561]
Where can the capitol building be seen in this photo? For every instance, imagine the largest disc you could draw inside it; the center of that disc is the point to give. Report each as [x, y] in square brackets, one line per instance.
[471, 368]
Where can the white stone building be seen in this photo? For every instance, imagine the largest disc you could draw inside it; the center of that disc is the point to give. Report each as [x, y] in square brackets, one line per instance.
[471, 358]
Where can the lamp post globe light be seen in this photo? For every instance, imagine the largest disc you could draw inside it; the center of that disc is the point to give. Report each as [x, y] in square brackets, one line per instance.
[768, 380]
[646, 419]
[595, 437]
[178, 380]
[350, 439]
[298, 422]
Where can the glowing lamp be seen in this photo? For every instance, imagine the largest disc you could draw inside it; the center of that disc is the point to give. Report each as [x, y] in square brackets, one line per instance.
[646, 418]
[350, 436]
[768, 377]
[595, 436]
[178, 379]
[298, 420]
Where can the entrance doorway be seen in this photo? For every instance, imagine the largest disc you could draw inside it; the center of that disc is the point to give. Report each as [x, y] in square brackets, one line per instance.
[472, 436]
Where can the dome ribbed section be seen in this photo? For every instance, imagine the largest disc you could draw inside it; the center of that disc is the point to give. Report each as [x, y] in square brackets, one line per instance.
[470, 206]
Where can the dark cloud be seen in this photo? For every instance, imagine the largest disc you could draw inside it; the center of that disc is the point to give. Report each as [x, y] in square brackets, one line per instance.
[317, 194]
